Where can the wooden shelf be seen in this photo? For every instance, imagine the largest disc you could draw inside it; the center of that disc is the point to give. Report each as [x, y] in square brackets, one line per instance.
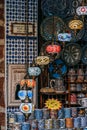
[54, 93]
[78, 91]
[77, 82]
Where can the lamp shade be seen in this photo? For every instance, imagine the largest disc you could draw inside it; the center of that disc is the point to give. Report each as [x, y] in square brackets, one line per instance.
[34, 71]
[22, 94]
[26, 107]
[81, 10]
[53, 48]
[64, 37]
[31, 83]
[42, 60]
[75, 24]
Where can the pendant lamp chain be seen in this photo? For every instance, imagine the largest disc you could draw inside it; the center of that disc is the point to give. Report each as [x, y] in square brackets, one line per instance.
[33, 31]
[27, 30]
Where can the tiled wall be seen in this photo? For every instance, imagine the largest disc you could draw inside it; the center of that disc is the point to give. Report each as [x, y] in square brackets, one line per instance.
[15, 45]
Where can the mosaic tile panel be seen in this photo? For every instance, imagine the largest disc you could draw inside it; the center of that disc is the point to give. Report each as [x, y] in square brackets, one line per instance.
[15, 51]
[15, 10]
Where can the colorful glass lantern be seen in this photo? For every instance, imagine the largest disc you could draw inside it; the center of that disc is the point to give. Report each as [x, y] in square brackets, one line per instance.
[76, 24]
[34, 71]
[53, 48]
[82, 10]
[26, 107]
[22, 82]
[30, 83]
[22, 94]
[64, 37]
[42, 60]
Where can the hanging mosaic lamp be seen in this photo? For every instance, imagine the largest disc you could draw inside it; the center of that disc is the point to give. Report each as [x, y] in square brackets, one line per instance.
[34, 70]
[28, 83]
[64, 37]
[81, 10]
[26, 107]
[76, 24]
[42, 60]
[53, 48]
[22, 94]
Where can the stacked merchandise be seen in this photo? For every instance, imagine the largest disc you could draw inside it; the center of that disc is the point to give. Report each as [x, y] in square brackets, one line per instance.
[41, 119]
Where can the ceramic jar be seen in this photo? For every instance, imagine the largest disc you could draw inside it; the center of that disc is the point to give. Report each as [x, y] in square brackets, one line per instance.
[72, 75]
[84, 102]
[53, 114]
[16, 126]
[80, 76]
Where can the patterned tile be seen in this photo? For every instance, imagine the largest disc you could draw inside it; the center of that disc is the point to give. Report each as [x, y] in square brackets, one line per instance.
[16, 51]
[16, 45]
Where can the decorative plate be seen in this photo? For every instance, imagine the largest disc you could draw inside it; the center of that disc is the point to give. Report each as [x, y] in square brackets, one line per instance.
[59, 8]
[84, 54]
[72, 54]
[26, 107]
[57, 68]
[51, 27]
[85, 33]
[52, 56]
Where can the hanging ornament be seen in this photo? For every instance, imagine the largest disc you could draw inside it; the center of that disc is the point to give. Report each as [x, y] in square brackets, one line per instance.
[64, 37]
[26, 107]
[76, 24]
[22, 94]
[82, 10]
[53, 48]
[34, 71]
[27, 83]
[53, 104]
[42, 60]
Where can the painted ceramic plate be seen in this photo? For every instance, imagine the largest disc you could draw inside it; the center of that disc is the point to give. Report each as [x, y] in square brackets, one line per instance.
[84, 54]
[59, 8]
[26, 107]
[51, 27]
[57, 68]
[72, 54]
